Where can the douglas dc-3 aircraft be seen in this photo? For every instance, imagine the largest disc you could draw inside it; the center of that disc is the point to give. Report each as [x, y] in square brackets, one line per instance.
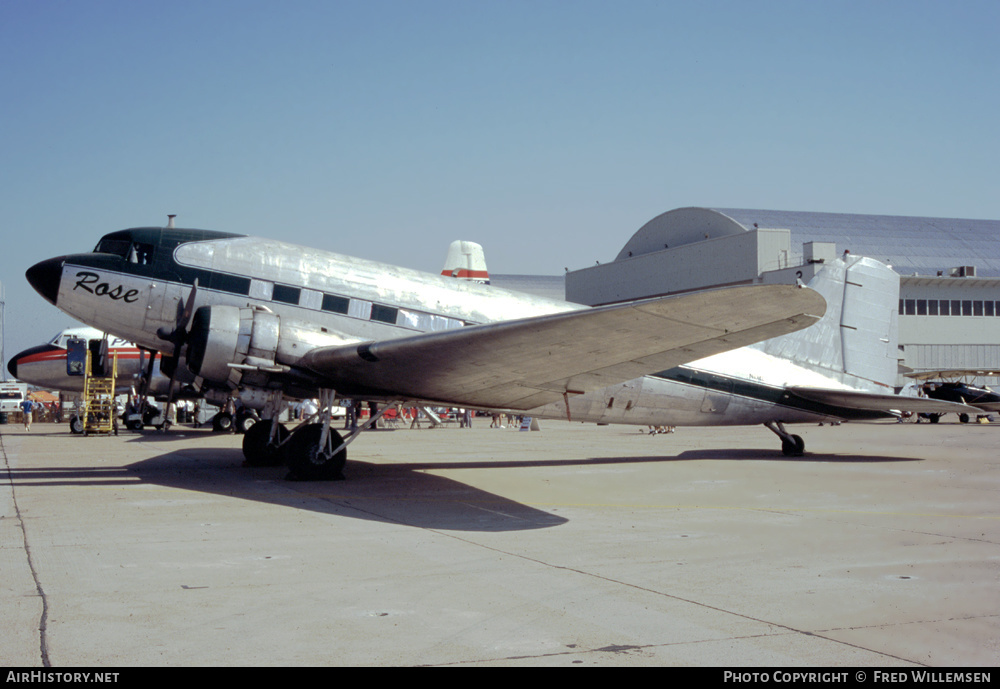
[274, 321]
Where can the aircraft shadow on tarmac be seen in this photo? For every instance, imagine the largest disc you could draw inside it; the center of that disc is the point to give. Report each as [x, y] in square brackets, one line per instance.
[390, 493]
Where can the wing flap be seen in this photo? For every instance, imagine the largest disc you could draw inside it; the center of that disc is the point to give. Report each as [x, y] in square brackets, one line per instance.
[870, 401]
[524, 363]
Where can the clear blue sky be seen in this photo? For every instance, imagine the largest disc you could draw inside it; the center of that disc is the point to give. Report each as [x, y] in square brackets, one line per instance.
[548, 131]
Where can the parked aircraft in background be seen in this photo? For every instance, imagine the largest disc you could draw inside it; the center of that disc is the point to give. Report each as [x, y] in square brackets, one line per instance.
[272, 320]
[943, 385]
[46, 366]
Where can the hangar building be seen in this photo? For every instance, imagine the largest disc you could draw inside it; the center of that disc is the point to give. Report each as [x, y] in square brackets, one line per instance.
[949, 306]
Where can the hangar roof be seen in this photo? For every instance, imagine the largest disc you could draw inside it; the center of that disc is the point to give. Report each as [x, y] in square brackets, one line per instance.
[911, 245]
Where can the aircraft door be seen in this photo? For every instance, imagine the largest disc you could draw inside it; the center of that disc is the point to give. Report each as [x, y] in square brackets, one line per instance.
[76, 356]
[717, 396]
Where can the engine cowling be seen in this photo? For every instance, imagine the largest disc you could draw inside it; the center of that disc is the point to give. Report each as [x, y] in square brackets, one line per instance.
[223, 336]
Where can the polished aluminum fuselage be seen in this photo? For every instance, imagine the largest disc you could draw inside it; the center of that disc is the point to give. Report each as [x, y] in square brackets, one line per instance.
[324, 299]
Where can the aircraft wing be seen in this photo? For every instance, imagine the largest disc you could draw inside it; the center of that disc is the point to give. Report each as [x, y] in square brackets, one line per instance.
[522, 364]
[871, 401]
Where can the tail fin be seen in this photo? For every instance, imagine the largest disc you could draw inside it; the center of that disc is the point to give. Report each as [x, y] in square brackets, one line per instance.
[466, 261]
[856, 340]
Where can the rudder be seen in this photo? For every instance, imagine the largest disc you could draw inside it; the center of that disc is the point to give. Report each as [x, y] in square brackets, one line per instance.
[856, 340]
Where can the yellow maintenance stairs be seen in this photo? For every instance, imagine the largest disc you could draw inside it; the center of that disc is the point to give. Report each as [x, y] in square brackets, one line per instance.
[98, 401]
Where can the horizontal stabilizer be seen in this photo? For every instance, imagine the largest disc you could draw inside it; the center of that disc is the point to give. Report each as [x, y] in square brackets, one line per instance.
[525, 363]
[870, 401]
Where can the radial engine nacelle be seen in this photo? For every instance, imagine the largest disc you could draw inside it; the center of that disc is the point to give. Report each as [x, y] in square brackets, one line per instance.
[247, 346]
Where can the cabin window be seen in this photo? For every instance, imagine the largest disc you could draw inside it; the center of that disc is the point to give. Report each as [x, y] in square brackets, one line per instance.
[286, 294]
[335, 304]
[234, 284]
[385, 314]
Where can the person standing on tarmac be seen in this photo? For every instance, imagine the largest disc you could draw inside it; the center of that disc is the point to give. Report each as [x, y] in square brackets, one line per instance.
[27, 409]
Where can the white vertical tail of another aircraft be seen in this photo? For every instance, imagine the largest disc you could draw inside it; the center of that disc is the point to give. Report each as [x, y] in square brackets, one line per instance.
[466, 261]
[856, 340]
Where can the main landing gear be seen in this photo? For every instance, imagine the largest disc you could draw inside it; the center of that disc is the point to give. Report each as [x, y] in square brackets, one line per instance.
[312, 452]
[791, 445]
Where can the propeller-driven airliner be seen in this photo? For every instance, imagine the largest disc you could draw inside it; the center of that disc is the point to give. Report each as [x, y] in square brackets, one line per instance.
[271, 322]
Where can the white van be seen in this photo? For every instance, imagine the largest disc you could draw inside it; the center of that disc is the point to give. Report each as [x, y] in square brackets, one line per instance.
[11, 396]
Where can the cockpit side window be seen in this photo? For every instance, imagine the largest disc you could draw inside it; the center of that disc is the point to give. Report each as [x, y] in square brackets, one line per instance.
[118, 247]
[133, 252]
[141, 254]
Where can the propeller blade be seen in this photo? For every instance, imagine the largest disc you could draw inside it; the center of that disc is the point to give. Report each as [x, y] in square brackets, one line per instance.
[179, 332]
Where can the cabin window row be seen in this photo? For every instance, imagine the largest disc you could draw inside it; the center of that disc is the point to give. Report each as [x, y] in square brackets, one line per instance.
[948, 307]
[355, 308]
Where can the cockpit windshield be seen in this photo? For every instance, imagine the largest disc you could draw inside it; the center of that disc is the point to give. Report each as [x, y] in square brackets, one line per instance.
[132, 251]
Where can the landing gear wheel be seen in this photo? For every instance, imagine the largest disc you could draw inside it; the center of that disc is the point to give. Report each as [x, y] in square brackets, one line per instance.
[794, 447]
[76, 424]
[257, 451]
[245, 420]
[308, 462]
[963, 418]
[222, 422]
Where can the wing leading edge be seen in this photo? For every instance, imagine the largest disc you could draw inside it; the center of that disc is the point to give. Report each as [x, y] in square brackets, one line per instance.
[525, 363]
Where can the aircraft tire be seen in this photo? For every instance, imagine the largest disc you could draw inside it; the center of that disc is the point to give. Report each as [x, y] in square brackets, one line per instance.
[963, 418]
[245, 420]
[76, 424]
[795, 447]
[305, 461]
[222, 422]
[256, 450]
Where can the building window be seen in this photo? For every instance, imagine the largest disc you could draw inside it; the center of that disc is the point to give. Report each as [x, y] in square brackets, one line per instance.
[911, 308]
[956, 307]
[932, 307]
[921, 307]
[977, 308]
[966, 307]
[988, 308]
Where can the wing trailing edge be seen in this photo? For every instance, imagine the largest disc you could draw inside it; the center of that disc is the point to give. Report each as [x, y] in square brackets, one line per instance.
[871, 401]
[524, 363]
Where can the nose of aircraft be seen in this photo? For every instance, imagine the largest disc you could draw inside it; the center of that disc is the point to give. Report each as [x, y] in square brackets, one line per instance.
[45, 276]
[32, 354]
